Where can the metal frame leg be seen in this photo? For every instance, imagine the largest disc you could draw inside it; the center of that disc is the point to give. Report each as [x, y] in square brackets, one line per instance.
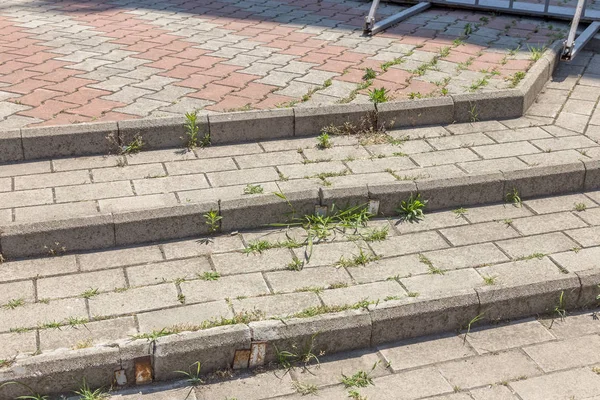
[372, 28]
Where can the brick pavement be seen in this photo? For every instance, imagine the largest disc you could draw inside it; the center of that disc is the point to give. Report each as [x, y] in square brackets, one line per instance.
[70, 62]
[524, 360]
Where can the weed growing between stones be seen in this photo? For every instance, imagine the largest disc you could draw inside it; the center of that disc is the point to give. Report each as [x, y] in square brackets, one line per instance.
[379, 95]
[192, 131]
[411, 210]
[324, 141]
[306, 356]
[253, 189]
[368, 131]
[32, 393]
[360, 379]
[86, 393]
[475, 319]
[559, 309]
[213, 220]
[192, 376]
[514, 197]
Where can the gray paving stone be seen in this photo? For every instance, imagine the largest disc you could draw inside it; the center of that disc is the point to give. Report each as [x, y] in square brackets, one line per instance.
[565, 354]
[522, 333]
[279, 305]
[87, 162]
[195, 247]
[51, 180]
[307, 278]
[489, 369]
[579, 260]
[119, 258]
[239, 263]
[518, 273]
[458, 141]
[152, 273]
[466, 256]
[33, 315]
[478, 233]
[93, 191]
[186, 317]
[505, 150]
[450, 282]
[436, 220]
[309, 170]
[559, 203]
[125, 204]
[29, 168]
[580, 383]
[386, 268]
[14, 344]
[54, 212]
[134, 300]
[586, 237]
[264, 384]
[380, 164]
[564, 143]
[200, 166]
[224, 287]
[331, 253]
[415, 384]
[336, 153]
[76, 285]
[16, 291]
[170, 184]
[376, 292]
[547, 223]
[409, 243]
[90, 333]
[26, 198]
[444, 157]
[268, 159]
[424, 351]
[128, 172]
[544, 244]
[494, 392]
[254, 175]
[483, 126]
[513, 135]
[591, 216]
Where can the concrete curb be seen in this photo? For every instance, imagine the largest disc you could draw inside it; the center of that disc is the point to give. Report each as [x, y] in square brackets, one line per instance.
[254, 211]
[256, 343]
[232, 127]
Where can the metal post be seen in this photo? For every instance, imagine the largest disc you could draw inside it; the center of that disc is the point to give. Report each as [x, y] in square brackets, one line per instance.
[394, 19]
[370, 19]
[569, 43]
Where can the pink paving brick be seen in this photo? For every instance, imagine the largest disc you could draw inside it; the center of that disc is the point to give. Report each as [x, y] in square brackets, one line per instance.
[57, 75]
[395, 75]
[204, 62]
[38, 58]
[166, 63]
[96, 108]
[238, 80]
[18, 76]
[212, 92]
[190, 53]
[196, 81]
[334, 66]
[25, 87]
[256, 91]
[316, 58]
[221, 70]
[47, 110]
[230, 103]
[350, 56]
[83, 95]
[12, 66]
[64, 119]
[352, 75]
[70, 85]
[37, 97]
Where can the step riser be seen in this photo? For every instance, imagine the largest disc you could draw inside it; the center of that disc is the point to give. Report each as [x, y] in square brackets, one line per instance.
[138, 227]
[224, 128]
[218, 348]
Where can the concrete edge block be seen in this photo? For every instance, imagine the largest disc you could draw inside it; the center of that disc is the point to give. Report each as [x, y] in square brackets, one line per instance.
[69, 140]
[343, 196]
[214, 348]
[390, 195]
[546, 180]
[534, 81]
[141, 226]
[401, 114]
[500, 104]
[132, 352]
[553, 54]
[253, 211]
[42, 238]
[251, 125]
[592, 175]
[414, 316]
[590, 288]
[327, 333]
[158, 133]
[311, 120]
[11, 146]
[501, 303]
[462, 191]
[61, 371]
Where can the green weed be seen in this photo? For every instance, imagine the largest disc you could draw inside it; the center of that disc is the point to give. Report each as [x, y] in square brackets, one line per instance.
[378, 95]
[213, 220]
[324, 141]
[253, 189]
[514, 197]
[369, 74]
[210, 276]
[411, 210]
[85, 393]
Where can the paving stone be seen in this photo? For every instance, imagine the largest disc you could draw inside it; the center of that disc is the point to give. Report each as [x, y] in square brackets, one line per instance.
[336, 153]
[523, 333]
[224, 287]
[17, 343]
[591, 216]
[543, 244]
[579, 260]
[494, 392]
[16, 291]
[419, 352]
[331, 253]
[320, 277]
[236, 263]
[198, 166]
[559, 203]
[415, 384]
[518, 273]
[444, 157]
[387, 268]
[500, 212]
[170, 184]
[581, 323]
[26, 198]
[505, 150]
[51, 180]
[76, 285]
[489, 369]
[432, 221]
[254, 175]
[33, 315]
[55, 212]
[88, 162]
[128, 172]
[478, 233]
[466, 256]
[277, 305]
[119, 258]
[268, 159]
[375, 292]
[90, 333]
[586, 237]
[513, 135]
[149, 274]
[547, 223]
[134, 300]
[450, 282]
[186, 317]
[581, 383]
[264, 384]
[409, 243]
[195, 247]
[310, 170]
[458, 141]
[568, 353]
[93, 191]
[380, 164]
[125, 204]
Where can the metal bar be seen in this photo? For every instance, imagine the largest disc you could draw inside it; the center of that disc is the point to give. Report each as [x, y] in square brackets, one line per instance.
[569, 43]
[546, 5]
[581, 41]
[510, 4]
[370, 19]
[394, 19]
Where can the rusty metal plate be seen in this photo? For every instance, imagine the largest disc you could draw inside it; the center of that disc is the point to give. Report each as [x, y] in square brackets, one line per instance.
[241, 358]
[257, 354]
[143, 370]
[120, 377]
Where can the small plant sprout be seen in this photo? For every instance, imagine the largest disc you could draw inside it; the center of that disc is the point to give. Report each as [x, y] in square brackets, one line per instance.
[1, 258]
[475, 319]
[376, 235]
[212, 219]
[369, 74]
[514, 197]
[473, 113]
[411, 210]
[360, 379]
[135, 146]
[378, 95]
[324, 141]
[32, 394]
[560, 308]
[193, 376]
[432, 269]
[362, 258]
[91, 292]
[580, 207]
[191, 129]
[14, 303]
[286, 359]
[258, 246]
[489, 280]
[536, 52]
[253, 189]
[295, 264]
[355, 395]
[305, 388]
[86, 393]
[459, 212]
[210, 276]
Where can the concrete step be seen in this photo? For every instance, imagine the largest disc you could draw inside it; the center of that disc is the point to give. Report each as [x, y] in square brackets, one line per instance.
[233, 299]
